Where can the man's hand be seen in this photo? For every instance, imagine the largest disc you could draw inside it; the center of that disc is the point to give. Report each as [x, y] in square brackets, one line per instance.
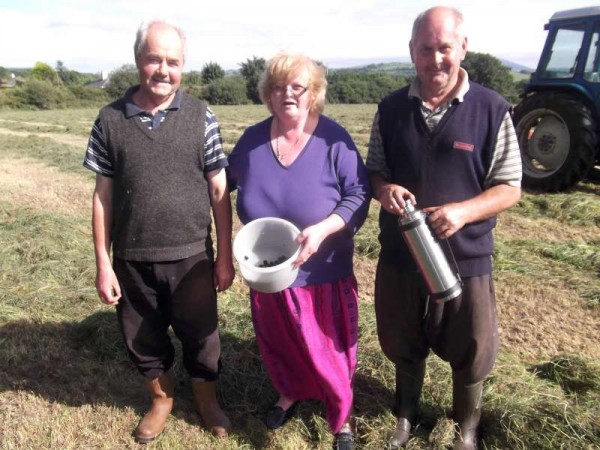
[391, 196]
[446, 220]
[107, 286]
[224, 273]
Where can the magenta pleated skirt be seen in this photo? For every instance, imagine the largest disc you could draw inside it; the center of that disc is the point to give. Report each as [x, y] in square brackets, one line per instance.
[307, 337]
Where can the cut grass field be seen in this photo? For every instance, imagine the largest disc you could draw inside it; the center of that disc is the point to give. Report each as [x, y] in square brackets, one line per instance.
[66, 382]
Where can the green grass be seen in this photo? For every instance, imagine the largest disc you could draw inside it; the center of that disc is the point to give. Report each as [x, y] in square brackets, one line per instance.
[66, 381]
[43, 254]
[69, 121]
[573, 208]
[66, 158]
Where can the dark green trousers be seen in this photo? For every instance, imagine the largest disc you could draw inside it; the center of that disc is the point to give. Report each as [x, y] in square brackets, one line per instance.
[462, 331]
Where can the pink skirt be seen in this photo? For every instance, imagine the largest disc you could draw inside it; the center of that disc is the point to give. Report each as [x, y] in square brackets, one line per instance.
[307, 337]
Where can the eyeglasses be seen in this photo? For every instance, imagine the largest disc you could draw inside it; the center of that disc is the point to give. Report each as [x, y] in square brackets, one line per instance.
[297, 89]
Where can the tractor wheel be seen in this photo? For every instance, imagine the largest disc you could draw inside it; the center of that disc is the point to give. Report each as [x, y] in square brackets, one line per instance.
[557, 137]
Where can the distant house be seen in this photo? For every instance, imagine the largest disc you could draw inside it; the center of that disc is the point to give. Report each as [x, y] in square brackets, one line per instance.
[101, 84]
[9, 81]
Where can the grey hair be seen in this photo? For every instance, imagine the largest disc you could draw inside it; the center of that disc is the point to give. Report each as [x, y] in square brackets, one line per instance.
[458, 20]
[142, 35]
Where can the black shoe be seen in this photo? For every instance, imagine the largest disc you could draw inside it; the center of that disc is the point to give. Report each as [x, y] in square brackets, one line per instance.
[344, 441]
[277, 416]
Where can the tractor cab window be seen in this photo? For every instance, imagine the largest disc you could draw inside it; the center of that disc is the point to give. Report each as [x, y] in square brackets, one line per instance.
[592, 64]
[564, 55]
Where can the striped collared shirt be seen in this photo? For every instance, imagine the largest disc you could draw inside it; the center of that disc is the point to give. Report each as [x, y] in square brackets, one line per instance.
[96, 157]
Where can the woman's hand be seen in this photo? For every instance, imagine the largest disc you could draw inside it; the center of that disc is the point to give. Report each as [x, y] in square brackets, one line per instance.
[311, 237]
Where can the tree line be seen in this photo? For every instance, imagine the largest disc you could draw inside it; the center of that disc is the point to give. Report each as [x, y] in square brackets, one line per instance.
[46, 87]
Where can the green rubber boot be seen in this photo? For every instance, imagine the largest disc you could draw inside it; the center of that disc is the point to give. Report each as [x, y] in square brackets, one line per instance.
[466, 404]
[409, 383]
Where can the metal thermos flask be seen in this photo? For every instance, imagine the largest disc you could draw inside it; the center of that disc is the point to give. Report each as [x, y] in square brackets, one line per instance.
[443, 283]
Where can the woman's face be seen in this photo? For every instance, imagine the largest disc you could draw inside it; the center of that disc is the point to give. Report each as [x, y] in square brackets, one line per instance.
[292, 100]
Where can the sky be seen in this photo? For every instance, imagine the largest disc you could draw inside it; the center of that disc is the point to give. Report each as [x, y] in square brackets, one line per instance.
[95, 36]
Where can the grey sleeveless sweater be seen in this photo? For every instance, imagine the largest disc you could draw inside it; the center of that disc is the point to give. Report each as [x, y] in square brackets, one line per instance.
[161, 207]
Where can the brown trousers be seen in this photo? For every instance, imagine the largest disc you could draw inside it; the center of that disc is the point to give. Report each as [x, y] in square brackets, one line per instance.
[179, 294]
[462, 331]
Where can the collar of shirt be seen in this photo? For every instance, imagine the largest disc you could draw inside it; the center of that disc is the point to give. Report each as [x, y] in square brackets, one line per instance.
[131, 109]
[414, 91]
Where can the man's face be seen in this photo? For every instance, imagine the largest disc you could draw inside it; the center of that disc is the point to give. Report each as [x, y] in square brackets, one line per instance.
[160, 63]
[437, 51]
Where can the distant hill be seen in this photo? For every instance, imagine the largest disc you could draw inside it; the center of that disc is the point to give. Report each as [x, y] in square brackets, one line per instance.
[407, 69]
[517, 67]
[395, 68]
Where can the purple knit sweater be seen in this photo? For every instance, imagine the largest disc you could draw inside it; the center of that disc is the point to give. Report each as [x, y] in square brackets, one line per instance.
[328, 176]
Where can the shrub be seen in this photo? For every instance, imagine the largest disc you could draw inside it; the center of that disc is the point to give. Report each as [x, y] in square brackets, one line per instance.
[194, 90]
[120, 80]
[489, 71]
[43, 72]
[211, 72]
[192, 78]
[227, 91]
[352, 87]
[89, 96]
[251, 70]
[43, 95]
[10, 98]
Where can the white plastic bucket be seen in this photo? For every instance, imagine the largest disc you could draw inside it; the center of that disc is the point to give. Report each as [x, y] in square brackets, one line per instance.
[263, 242]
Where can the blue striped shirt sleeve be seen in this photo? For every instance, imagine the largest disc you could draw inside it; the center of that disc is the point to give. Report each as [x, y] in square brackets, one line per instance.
[214, 156]
[96, 157]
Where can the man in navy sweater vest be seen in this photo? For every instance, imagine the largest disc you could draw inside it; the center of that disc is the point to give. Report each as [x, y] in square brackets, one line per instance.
[449, 146]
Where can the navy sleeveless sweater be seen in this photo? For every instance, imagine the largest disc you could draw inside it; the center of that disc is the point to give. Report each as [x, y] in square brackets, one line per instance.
[448, 164]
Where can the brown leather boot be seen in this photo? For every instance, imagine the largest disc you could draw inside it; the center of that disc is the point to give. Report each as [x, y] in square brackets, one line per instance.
[161, 391]
[207, 405]
[467, 412]
[409, 383]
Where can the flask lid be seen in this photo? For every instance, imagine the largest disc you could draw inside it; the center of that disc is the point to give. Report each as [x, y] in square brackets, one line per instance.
[411, 217]
[409, 208]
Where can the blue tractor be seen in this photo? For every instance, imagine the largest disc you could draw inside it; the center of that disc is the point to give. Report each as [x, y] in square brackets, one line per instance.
[558, 117]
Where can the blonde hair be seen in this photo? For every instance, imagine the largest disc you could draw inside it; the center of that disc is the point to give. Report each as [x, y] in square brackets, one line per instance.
[284, 67]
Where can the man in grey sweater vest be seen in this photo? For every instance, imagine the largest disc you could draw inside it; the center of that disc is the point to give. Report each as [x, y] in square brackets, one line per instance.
[160, 168]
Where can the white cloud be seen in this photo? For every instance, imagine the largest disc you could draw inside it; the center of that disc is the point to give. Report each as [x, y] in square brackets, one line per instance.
[92, 35]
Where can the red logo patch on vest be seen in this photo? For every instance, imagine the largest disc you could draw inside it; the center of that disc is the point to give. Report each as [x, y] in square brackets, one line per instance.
[463, 146]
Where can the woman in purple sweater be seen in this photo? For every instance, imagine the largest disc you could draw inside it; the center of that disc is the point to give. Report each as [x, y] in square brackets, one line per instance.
[301, 166]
